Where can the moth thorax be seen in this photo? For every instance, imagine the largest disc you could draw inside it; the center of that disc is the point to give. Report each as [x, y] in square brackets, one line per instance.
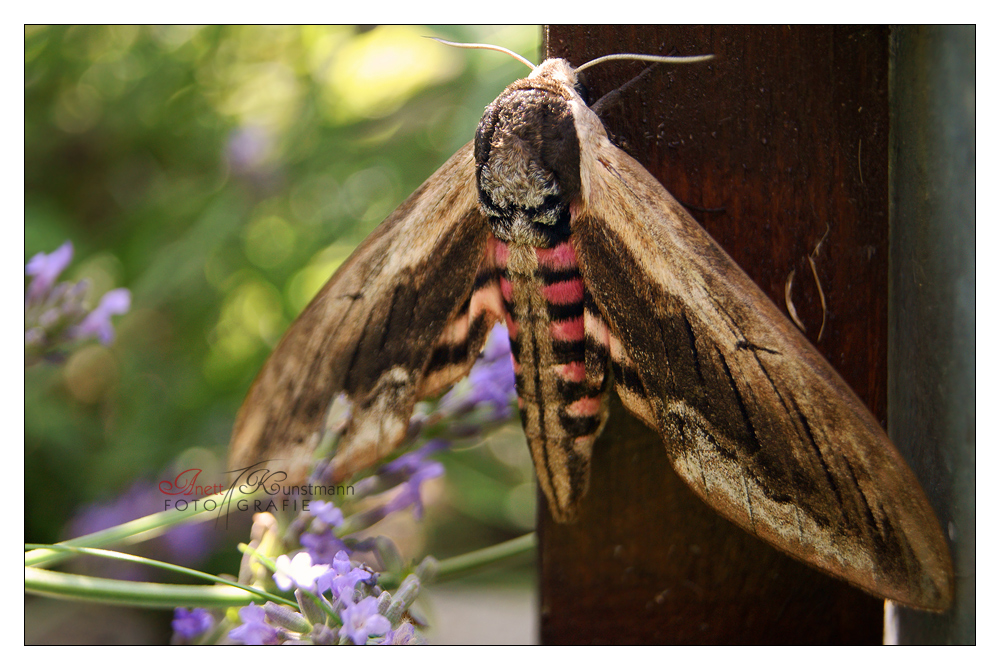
[528, 166]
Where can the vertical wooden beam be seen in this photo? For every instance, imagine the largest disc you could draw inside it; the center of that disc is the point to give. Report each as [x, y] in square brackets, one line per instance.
[779, 148]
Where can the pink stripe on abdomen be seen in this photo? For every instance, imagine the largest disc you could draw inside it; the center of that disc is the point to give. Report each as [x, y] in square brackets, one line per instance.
[564, 292]
[570, 330]
[559, 257]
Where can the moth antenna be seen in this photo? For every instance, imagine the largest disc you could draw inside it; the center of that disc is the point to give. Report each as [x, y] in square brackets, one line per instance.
[489, 47]
[645, 57]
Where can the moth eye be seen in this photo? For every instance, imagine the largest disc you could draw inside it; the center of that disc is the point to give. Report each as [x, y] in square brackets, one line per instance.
[581, 90]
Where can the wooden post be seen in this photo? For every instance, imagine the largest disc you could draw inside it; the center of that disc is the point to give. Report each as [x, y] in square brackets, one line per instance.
[779, 148]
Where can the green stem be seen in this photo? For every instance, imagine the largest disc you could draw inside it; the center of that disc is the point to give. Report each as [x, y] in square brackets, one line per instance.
[140, 529]
[104, 553]
[457, 566]
[135, 594]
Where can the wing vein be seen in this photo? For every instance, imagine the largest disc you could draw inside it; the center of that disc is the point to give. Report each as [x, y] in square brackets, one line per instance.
[740, 402]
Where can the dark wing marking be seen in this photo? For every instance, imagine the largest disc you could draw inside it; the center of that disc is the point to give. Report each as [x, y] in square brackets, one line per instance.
[754, 419]
[397, 322]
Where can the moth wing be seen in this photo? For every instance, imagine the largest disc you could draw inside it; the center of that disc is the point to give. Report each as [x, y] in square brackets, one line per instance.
[397, 322]
[753, 418]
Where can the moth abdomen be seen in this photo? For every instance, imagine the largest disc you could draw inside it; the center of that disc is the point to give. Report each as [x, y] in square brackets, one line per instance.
[562, 382]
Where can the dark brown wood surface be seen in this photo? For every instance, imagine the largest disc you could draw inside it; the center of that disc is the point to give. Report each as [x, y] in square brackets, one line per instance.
[779, 148]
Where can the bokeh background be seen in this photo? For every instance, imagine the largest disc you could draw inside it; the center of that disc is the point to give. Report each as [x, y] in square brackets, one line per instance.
[222, 174]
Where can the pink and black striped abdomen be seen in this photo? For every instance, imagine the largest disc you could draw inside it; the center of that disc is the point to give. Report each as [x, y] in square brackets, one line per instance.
[562, 379]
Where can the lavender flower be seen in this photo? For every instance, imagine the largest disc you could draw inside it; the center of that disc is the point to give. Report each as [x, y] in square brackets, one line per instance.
[98, 322]
[45, 269]
[342, 579]
[355, 621]
[408, 472]
[55, 315]
[494, 373]
[190, 624]
[254, 629]
[490, 383]
[362, 620]
[410, 463]
[410, 495]
[328, 513]
[322, 547]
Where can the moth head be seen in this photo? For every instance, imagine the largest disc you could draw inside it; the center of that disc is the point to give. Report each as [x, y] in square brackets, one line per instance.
[528, 157]
[527, 150]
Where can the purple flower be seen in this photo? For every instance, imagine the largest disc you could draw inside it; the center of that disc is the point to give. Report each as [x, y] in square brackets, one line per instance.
[413, 461]
[342, 579]
[490, 382]
[54, 314]
[254, 630]
[497, 346]
[98, 322]
[327, 512]
[298, 571]
[493, 375]
[362, 620]
[419, 469]
[410, 493]
[190, 624]
[406, 473]
[46, 268]
[322, 546]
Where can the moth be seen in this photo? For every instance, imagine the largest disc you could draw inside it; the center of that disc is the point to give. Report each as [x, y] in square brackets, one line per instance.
[604, 282]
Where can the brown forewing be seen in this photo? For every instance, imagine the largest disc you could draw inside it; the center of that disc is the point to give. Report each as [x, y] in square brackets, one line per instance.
[754, 419]
[393, 324]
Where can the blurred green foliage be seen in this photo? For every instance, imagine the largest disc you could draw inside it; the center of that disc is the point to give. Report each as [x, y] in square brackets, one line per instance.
[222, 174]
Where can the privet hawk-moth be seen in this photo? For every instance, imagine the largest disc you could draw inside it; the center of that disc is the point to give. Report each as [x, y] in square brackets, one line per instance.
[604, 282]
